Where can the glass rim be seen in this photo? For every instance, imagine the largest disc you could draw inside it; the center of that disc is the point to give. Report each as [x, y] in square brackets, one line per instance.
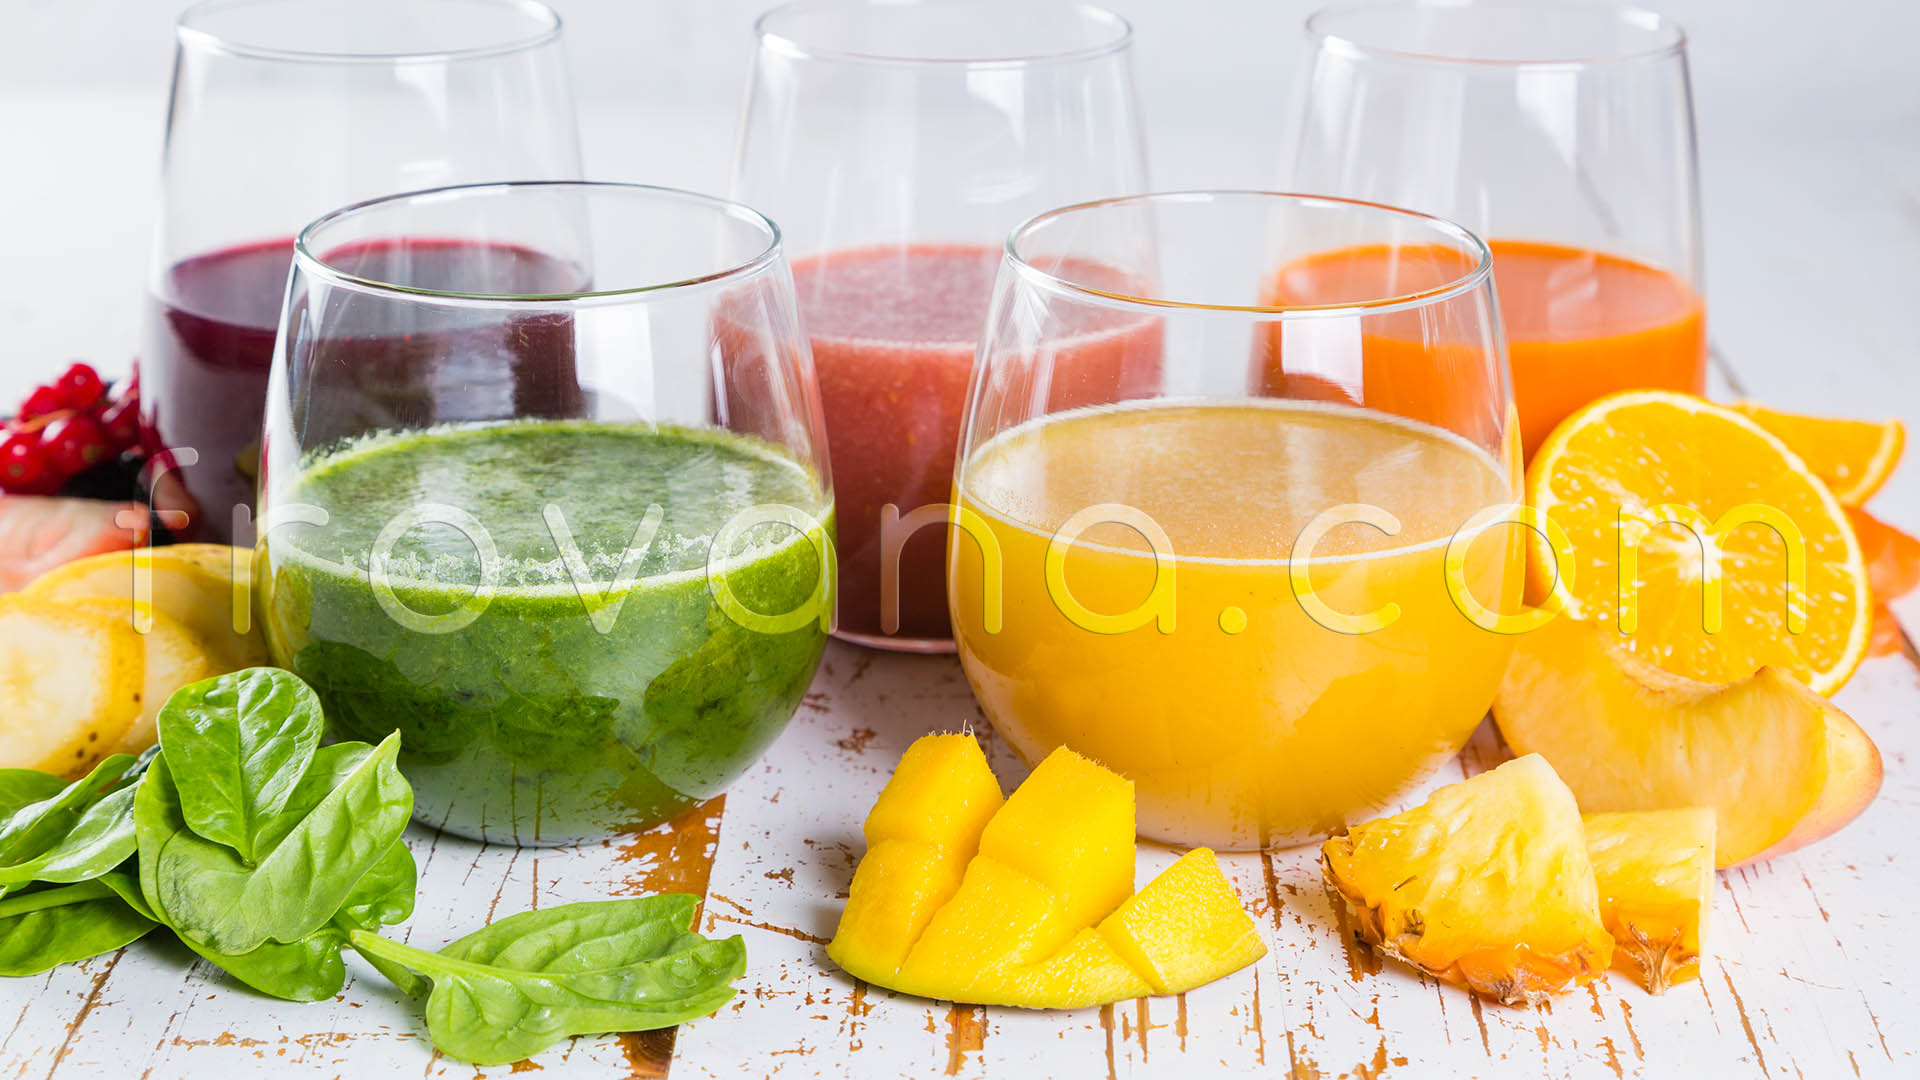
[1670, 38]
[1119, 38]
[312, 264]
[1473, 278]
[546, 29]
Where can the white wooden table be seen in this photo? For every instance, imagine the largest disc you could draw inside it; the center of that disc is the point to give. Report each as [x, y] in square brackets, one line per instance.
[1814, 262]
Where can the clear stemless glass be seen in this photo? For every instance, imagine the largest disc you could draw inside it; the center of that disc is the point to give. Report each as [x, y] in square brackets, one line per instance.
[896, 143]
[1267, 595]
[1563, 135]
[545, 491]
[283, 110]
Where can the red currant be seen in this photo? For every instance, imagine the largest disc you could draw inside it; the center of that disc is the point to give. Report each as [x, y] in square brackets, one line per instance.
[22, 462]
[42, 401]
[80, 386]
[121, 422]
[74, 444]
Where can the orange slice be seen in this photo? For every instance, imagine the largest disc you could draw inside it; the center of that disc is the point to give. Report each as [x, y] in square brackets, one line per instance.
[1618, 474]
[1892, 557]
[1852, 457]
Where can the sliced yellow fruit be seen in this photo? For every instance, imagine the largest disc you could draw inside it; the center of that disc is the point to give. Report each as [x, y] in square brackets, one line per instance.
[1186, 928]
[1613, 474]
[1852, 457]
[1001, 920]
[174, 656]
[1070, 825]
[1043, 914]
[1087, 972]
[1487, 885]
[1626, 735]
[1654, 870]
[942, 792]
[204, 586]
[922, 830]
[69, 685]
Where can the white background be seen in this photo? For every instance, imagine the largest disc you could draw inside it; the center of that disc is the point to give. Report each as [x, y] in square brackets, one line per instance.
[1809, 115]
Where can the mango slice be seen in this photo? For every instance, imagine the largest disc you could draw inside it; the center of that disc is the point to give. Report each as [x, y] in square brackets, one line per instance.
[1000, 920]
[1030, 902]
[921, 832]
[1069, 826]
[1654, 870]
[1184, 927]
[1487, 885]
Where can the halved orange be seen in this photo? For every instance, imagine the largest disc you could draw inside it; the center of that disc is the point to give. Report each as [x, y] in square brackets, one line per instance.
[1853, 457]
[1653, 482]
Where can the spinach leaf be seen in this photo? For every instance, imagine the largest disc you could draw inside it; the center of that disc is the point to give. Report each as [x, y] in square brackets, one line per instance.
[310, 969]
[101, 838]
[237, 745]
[18, 787]
[522, 984]
[70, 833]
[44, 928]
[339, 822]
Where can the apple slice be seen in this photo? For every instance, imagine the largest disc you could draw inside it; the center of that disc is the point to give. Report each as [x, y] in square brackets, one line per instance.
[1626, 735]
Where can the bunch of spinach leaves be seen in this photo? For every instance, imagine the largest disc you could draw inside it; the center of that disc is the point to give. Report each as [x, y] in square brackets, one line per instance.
[268, 854]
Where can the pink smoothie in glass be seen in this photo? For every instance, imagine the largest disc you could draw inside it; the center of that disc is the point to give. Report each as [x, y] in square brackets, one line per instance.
[893, 331]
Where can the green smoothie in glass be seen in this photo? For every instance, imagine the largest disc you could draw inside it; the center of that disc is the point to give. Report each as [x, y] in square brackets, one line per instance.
[539, 608]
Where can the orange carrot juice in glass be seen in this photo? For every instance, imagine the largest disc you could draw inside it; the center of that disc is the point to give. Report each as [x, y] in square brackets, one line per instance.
[1580, 324]
[1268, 606]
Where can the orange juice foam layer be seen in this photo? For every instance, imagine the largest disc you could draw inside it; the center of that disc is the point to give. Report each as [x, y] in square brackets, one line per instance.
[1261, 729]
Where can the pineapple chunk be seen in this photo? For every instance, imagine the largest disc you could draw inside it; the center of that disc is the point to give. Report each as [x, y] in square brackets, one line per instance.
[1487, 885]
[1069, 825]
[922, 830]
[1626, 735]
[1186, 928]
[1654, 870]
[1023, 924]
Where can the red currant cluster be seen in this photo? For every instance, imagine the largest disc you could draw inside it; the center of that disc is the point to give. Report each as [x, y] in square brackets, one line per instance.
[65, 428]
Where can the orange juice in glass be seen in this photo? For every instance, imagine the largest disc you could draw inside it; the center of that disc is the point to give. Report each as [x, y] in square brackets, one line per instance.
[1259, 605]
[1563, 134]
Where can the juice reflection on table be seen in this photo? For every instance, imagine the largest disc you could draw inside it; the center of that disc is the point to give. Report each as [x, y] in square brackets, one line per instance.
[893, 331]
[1251, 723]
[1580, 325]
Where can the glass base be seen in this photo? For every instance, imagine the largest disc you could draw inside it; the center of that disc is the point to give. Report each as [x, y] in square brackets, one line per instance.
[894, 643]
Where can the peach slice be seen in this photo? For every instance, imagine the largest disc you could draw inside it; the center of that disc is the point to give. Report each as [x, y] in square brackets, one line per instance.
[1853, 779]
[1654, 870]
[1626, 735]
[1486, 885]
